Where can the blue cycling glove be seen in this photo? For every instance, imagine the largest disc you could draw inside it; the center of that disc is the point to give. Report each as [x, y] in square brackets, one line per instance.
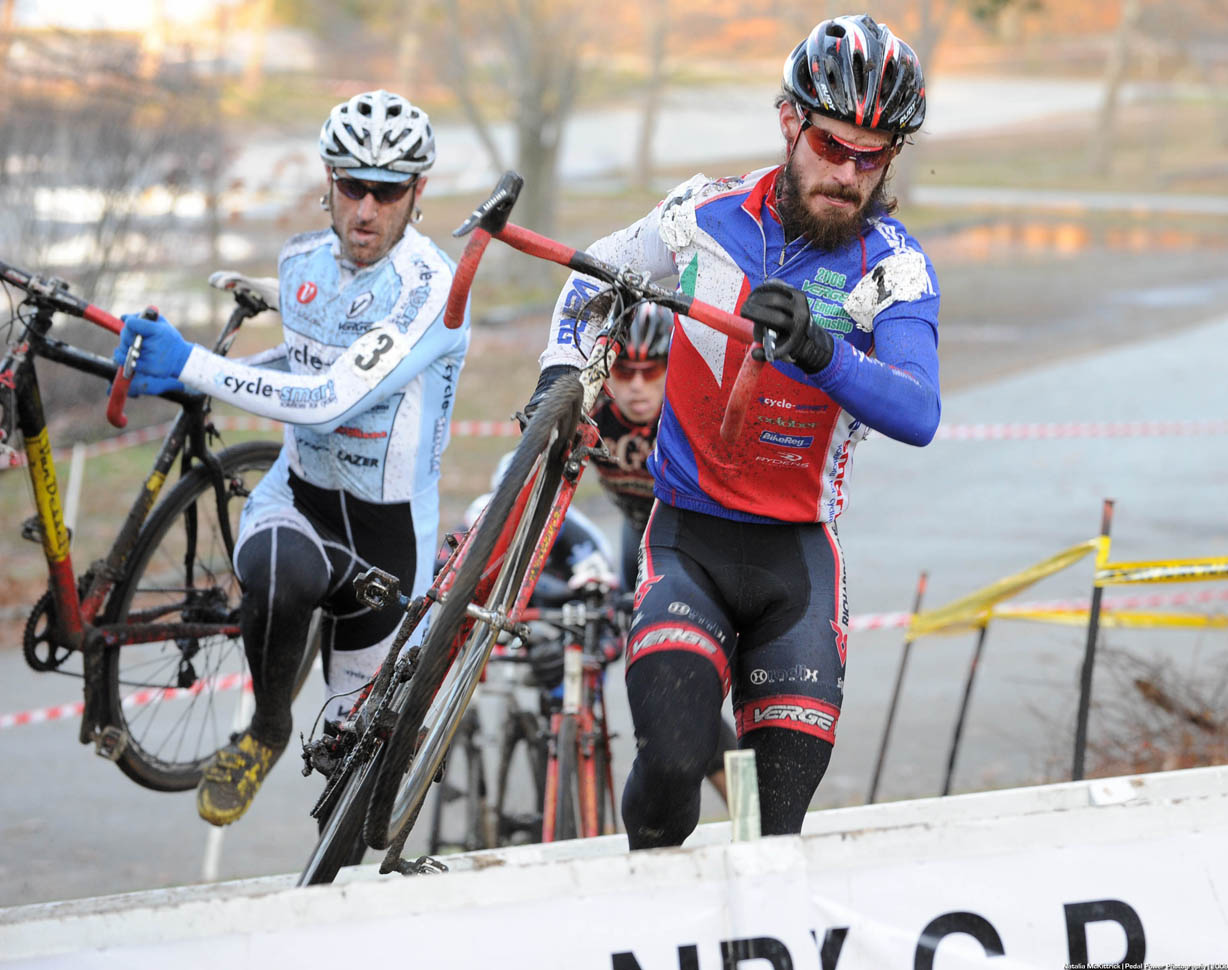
[162, 357]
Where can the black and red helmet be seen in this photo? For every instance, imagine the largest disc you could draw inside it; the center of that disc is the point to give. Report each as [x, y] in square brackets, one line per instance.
[855, 70]
[649, 333]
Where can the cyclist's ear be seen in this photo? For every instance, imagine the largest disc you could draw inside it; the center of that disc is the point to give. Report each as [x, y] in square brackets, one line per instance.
[420, 187]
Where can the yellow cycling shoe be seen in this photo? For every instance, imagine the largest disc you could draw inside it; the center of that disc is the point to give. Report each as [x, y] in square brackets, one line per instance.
[233, 777]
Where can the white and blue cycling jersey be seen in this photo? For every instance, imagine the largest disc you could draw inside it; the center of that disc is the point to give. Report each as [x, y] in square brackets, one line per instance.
[365, 379]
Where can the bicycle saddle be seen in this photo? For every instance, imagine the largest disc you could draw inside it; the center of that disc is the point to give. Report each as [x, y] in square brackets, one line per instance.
[262, 289]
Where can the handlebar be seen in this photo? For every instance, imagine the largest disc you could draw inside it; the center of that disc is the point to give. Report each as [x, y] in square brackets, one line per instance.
[54, 293]
[490, 220]
[123, 377]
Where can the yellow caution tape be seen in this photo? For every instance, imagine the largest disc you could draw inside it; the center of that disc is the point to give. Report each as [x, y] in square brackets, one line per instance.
[1169, 571]
[1121, 619]
[975, 610]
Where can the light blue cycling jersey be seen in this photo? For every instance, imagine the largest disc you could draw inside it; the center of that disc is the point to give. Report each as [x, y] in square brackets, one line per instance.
[366, 378]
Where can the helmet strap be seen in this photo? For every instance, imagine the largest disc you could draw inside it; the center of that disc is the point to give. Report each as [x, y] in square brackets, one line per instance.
[801, 117]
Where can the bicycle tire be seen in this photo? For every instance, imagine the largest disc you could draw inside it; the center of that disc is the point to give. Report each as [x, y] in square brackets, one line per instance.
[605, 794]
[397, 796]
[464, 761]
[522, 741]
[191, 681]
[341, 843]
[566, 805]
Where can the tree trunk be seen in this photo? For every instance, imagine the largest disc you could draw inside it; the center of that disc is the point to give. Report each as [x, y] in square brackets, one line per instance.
[6, 31]
[929, 34]
[1100, 156]
[654, 89]
[253, 66]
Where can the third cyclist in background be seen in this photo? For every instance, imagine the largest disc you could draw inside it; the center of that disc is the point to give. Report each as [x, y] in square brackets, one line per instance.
[741, 582]
[627, 416]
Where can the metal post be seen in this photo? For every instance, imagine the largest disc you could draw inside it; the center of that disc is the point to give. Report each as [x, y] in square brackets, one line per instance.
[743, 781]
[1089, 657]
[963, 707]
[76, 478]
[895, 695]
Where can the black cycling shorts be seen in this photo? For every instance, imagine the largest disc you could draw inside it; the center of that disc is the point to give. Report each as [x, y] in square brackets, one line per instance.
[765, 604]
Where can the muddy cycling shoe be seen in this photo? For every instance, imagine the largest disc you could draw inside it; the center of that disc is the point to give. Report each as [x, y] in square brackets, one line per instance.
[233, 777]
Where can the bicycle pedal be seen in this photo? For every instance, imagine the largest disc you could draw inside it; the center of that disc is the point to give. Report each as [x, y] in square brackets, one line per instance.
[376, 588]
[110, 742]
[424, 865]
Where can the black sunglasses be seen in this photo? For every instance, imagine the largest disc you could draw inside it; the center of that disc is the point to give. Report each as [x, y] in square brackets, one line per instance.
[383, 192]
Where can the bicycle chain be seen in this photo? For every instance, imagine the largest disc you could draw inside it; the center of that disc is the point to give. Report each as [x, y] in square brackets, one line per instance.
[365, 748]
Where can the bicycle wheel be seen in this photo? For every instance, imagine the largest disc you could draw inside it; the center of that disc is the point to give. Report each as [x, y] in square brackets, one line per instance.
[521, 781]
[341, 843]
[463, 787]
[177, 701]
[566, 806]
[401, 787]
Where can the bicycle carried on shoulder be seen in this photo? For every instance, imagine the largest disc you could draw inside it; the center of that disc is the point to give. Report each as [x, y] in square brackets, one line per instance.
[386, 756]
[156, 619]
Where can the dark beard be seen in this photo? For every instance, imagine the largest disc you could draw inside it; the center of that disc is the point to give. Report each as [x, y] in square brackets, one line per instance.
[831, 232]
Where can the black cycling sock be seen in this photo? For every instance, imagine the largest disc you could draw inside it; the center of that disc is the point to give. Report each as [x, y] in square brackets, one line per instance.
[790, 765]
[284, 578]
[675, 703]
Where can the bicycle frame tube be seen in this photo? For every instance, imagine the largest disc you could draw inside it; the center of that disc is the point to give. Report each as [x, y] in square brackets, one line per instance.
[32, 422]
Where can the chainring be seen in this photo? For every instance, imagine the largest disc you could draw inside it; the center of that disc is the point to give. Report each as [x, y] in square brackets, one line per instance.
[42, 649]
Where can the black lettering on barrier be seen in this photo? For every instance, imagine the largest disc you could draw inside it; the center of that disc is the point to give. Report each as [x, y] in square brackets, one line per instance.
[733, 953]
[1078, 915]
[688, 959]
[766, 948]
[833, 943]
[948, 924]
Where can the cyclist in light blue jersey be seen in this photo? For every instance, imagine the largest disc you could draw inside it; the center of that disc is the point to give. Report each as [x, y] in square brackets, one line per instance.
[365, 381]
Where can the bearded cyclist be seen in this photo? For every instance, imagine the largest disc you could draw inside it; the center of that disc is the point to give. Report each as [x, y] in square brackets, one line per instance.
[364, 380]
[741, 582]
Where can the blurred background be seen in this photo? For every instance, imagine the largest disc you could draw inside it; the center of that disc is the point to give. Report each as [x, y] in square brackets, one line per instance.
[1070, 186]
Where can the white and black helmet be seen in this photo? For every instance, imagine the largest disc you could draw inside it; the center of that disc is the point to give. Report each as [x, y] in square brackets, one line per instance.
[378, 136]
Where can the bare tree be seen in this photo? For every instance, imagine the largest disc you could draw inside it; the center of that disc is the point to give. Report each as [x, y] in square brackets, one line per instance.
[657, 22]
[6, 29]
[522, 59]
[1101, 152]
[93, 156]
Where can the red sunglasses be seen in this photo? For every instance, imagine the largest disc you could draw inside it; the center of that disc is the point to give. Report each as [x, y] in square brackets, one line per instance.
[625, 370]
[383, 192]
[832, 149]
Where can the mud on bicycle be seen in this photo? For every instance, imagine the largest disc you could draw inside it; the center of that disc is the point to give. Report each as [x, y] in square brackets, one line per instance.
[155, 621]
[382, 760]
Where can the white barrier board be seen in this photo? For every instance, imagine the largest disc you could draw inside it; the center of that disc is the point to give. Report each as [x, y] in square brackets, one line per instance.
[1119, 872]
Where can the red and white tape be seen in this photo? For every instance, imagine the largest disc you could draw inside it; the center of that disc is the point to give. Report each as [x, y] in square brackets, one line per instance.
[859, 624]
[1079, 429]
[510, 429]
[140, 698]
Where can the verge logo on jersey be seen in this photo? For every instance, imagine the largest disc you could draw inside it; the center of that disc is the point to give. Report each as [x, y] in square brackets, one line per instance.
[306, 293]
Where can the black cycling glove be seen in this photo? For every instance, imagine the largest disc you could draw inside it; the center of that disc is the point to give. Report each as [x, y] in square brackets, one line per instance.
[784, 310]
[548, 376]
